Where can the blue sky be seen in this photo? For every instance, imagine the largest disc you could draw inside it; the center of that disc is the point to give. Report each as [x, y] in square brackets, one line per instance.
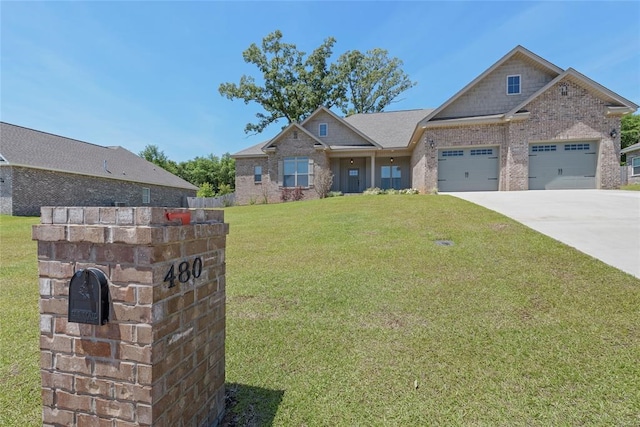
[139, 73]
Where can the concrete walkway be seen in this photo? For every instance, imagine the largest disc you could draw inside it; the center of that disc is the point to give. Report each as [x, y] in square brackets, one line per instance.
[602, 223]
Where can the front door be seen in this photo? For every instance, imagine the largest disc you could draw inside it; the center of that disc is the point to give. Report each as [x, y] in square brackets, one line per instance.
[354, 180]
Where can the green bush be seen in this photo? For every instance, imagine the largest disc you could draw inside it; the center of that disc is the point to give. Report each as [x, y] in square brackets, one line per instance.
[206, 190]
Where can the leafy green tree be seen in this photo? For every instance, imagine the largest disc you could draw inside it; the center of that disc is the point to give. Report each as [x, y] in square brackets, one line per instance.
[210, 169]
[205, 190]
[153, 154]
[629, 132]
[370, 81]
[199, 170]
[294, 85]
[227, 172]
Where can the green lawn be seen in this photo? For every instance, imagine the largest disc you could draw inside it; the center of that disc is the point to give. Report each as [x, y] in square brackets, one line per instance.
[337, 308]
[631, 187]
[20, 399]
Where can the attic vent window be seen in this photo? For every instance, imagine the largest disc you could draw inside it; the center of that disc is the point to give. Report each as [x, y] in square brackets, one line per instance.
[295, 134]
[564, 90]
[513, 85]
[323, 129]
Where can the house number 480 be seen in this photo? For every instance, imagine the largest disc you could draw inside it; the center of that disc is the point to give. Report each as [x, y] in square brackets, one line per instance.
[185, 271]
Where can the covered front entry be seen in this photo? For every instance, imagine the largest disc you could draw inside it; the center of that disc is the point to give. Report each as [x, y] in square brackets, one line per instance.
[570, 165]
[468, 169]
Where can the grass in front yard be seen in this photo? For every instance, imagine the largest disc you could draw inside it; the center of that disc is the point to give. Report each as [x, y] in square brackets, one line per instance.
[631, 187]
[337, 307]
[20, 399]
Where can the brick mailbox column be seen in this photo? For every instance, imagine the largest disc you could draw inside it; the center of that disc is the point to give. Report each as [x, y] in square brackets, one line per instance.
[159, 359]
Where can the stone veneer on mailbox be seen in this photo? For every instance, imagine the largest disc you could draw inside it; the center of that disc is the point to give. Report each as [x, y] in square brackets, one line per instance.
[160, 358]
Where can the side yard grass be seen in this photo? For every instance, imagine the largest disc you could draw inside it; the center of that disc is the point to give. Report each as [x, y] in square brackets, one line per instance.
[20, 399]
[347, 312]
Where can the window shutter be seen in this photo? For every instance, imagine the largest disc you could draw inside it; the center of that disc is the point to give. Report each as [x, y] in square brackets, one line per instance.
[311, 172]
[280, 172]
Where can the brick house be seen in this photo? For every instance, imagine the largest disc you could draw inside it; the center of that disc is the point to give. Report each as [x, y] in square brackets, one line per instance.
[40, 169]
[633, 163]
[523, 124]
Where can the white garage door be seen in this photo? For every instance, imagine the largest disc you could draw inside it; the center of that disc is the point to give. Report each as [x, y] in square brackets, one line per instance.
[468, 169]
[569, 165]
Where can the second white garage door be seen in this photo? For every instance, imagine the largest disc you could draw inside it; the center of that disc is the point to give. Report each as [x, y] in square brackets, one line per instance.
[569, 165]
[468, 169]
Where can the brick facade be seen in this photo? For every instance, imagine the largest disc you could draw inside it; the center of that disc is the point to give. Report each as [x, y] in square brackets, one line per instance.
[553, 117]
[489, 96]
[553, 106]
[160, 358]
[25, 190]
[291, 144]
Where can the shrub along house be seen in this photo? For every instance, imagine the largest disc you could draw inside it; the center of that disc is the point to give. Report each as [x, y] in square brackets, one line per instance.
[40, 169]
[523, 124]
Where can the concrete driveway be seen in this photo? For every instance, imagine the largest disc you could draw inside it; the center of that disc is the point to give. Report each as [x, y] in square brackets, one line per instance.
[602, 223]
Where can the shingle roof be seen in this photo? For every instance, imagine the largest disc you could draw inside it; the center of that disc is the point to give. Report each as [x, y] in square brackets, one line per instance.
[389, 129]
[253, 151]
[20, 146]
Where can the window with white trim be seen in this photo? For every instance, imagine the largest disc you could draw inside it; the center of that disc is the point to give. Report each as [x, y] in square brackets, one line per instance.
[390, 177]
[296, 172]
[146, 196]
[323, 130]
[257, 174]
[513, 85]
[635, 166]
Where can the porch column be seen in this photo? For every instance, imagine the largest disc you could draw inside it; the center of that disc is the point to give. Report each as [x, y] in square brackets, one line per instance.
[373, 170]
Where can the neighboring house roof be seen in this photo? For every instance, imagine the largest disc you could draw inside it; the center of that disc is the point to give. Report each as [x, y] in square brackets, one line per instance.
[631, 148]
[391, 129]
[30, 148]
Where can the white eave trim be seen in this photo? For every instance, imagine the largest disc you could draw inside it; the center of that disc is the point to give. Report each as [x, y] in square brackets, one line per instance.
[353, 148]
[465, 121]
[619, 111]
[247, 156]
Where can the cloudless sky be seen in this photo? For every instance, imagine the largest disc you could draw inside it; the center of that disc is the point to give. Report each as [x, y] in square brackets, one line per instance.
[140, 73]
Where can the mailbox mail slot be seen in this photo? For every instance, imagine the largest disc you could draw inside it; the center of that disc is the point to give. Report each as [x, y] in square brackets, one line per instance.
[89, 297]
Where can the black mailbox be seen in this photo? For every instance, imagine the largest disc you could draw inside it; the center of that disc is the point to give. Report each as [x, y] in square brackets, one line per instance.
[89, 297]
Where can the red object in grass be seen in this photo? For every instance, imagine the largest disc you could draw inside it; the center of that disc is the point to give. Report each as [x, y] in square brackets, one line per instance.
[184, 217]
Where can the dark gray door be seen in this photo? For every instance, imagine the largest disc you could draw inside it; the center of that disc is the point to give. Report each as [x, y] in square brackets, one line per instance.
[570, 165]
[468, 169]
[354, 180]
